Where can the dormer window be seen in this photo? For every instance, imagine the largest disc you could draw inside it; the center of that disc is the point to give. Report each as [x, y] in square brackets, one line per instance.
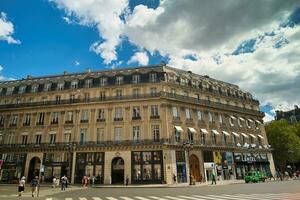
[88, 83]
[103, 81]
[153, 77]
[47, 87]
[119, 80]
[10, 90]
[22, 89]
[34, 88]
[136, 78]
[60, 86]
[74, 84]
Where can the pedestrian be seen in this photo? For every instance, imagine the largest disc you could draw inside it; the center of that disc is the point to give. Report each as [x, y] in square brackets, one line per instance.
[34, 184]
[21, 186]
[93, 181]
[63, 181]
[57, 182]
[174, 179]
[213, 178]
[67, 181]
[53, 182]
[127, 180]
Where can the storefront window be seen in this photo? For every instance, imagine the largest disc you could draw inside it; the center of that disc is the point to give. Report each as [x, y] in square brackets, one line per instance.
[146, 156]
[137, 157]
[137, 172]
[157, 171]
[156, 156]
[147, 172]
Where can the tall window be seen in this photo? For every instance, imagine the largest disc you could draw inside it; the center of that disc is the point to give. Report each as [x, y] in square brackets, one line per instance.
[84, 116]
[47, 87]
[136, 112]
[202, 138]
[177, 135]
[69, 117]
[11, 138]
[82, 138]
[14, 120]
[239, 122]
[175, 112]
[119, 94]
[188, 114]
[102, 95]
[103, 81]
[101, 115]
[52, 138]
[190, 136]
[154, 111]
[34, 88]
[24, 138]
[136, 133]
[135, 93]
[152, 77]
[60, 86]
[72, 98]
[100, 135]
[40, 118]
[67, 137]
[136, 78]
[86, 96]
[74, 84]
[220, 118]
[118, 113]
[22, 89]
[231, 122]
[199, 115]
[10, 90]
[88, 83]
[213, 138]
[155, 133]
[2, 118]
[224, 138]
[119, 80]
[243, 139]
[57, 99]
[38, 139]
[234, 139]
[118, 133]
[210, 117]
[26, 119]
[153, 91]
[54, 118]
[173, 91]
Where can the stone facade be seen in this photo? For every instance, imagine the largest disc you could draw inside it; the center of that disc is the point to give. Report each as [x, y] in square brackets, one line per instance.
[141, 124]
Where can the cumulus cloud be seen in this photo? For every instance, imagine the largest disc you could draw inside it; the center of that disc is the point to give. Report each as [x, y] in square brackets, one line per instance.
[77, 63]
[140, 58]
[7, 30]
[105, 15]
[3, 78]
[268, 118]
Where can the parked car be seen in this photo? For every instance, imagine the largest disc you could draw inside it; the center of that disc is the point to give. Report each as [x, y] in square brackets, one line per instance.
[255, 176]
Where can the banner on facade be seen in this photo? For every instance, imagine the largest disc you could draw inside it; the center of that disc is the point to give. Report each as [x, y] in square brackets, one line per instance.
[217, 157]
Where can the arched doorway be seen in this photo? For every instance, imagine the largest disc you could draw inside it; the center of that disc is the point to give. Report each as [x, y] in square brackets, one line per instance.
[34, 168]
[195, 168]
[117, 171]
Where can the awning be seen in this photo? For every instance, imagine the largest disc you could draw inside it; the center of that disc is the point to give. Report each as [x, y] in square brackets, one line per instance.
[192, 129]
[226, 133]
[234, 133]
[178, 128]
[252, 135]
[260, 136]
[241, 118]
[243, 134]
[250, 120]
[259, 122]
[233, 117]
[215, 132]
[203, 130]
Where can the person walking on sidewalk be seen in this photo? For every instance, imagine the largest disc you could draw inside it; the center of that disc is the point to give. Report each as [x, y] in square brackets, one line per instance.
[63, 182]
[34, 184]
[21, 186]
[213, 179]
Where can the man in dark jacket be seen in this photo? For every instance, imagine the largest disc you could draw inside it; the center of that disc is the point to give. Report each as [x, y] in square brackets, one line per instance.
[34, 184]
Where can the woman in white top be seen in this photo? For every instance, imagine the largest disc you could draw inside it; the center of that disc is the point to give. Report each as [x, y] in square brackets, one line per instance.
[21, 186]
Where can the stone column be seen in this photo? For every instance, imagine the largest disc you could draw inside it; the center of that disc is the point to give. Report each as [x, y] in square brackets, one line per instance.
[73, 167]
[271, 161]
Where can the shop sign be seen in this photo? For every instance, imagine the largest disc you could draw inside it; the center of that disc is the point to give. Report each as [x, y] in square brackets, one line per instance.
[209, 165]
[217, 157]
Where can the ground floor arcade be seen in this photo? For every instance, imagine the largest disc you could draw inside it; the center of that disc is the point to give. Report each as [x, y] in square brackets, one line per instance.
[138, 166]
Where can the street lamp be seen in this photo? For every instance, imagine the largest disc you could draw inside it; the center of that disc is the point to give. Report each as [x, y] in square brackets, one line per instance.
[187, 146]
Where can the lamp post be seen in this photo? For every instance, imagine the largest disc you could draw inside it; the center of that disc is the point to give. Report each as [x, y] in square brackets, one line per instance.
[187, 146]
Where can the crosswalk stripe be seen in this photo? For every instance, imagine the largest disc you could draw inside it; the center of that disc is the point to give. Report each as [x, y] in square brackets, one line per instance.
[175, 198]
[82, 198]
[194, 198]
[111, 198]
[49, 199]
[68, 198]
[126, 198]
[214, 197]
[158, 198]
[96, 198]
[141, 198]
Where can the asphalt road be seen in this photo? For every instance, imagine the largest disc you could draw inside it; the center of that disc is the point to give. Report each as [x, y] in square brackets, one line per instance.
[258, 191]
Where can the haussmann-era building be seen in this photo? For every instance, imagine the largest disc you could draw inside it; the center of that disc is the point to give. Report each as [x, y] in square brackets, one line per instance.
[148, 124]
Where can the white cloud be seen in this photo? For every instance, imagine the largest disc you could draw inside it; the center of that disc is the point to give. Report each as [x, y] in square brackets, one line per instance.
[6, 30]
[268, 118]
[105, 15]
[67, 20]
[2, 78]
[140, 58]
[77, 63]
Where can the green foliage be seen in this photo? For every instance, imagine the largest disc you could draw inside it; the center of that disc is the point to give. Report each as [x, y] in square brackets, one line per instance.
[285, 139]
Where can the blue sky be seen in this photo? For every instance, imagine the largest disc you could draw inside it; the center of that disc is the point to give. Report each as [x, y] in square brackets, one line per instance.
[252, 47]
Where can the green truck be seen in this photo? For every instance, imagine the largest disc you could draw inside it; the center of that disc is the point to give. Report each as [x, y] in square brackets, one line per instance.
[255, 176]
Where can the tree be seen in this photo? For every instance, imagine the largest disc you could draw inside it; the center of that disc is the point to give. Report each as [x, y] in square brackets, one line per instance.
[285, 141]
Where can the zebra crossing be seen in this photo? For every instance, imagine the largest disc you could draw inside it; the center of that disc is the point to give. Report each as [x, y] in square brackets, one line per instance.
[264, 196]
